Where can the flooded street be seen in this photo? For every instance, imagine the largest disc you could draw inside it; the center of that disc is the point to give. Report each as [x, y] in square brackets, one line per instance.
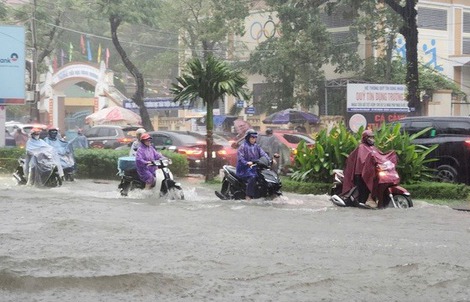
[84, 242]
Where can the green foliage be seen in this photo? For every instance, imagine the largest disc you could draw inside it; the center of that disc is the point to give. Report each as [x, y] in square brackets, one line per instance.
[330, 152]
[429, 79]
[209, 79]
[333, 147]
[102, 164]
[317, 188]
[9, 159]
[292, 62]
[201, 34]
[439, 190]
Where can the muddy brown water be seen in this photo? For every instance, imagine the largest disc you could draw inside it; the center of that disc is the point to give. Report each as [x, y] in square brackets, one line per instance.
[84, 242]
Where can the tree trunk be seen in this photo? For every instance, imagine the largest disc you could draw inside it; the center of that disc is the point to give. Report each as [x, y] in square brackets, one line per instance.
[209, 139]
[410, 32]
[138, 96]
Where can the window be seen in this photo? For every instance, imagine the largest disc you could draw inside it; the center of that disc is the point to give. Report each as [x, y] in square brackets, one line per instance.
[466, 46]
[339, 18]
[432, 18]
[453, 127]
[161, 140]
[466, 23]
[415, 127]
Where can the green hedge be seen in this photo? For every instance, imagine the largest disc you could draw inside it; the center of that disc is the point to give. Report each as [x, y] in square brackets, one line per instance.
[93, 163]
[9, 159]
[422, 190]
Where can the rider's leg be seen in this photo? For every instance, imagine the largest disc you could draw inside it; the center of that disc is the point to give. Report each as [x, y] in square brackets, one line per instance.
[251, 187]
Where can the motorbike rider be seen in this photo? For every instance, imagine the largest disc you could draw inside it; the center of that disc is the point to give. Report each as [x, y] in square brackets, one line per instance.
[62, 149]
[358, 173]
[35, 144]
[145, 154]
[248, 152]
[136, 143]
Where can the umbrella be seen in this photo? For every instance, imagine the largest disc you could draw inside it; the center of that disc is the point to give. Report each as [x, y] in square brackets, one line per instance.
[114, 115]
[291, 116]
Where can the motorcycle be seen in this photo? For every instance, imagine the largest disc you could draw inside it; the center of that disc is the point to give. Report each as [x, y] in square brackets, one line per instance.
[43, 170]
[390, 193]
[165, 183]
[268, 183]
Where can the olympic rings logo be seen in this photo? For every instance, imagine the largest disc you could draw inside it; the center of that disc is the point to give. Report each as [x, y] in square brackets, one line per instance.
[268, 30]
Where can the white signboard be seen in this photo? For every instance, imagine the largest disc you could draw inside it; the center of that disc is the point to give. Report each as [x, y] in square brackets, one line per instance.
[376, 97]
[12, 65]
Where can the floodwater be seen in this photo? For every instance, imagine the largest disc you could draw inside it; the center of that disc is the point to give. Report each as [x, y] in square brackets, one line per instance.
[84, 242]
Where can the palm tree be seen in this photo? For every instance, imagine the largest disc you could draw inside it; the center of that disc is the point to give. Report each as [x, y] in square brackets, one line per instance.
[209, 80]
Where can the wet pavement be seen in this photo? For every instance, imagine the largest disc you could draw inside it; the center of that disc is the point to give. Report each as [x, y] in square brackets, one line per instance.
[84, 242]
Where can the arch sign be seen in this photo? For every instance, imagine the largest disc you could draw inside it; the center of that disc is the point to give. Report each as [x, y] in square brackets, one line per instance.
[76, 70]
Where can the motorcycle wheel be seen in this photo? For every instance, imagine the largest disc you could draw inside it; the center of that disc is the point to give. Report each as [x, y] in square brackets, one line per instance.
[175, 194]
[124, 188]
[403, 201]
[225, 190]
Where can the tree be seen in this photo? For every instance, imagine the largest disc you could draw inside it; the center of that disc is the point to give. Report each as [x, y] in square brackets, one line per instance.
[126, 11]
[293, 62]
[209, 79]
[205, 25]
[409, 30]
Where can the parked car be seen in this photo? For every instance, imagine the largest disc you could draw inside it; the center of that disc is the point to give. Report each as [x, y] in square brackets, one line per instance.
[193, 145]
[110, 136]
[452, 135]
[9, 139]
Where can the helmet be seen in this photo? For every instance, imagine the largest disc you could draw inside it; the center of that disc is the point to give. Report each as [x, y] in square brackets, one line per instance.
[145, 137]
[269, 131]
[250, 133]
[35, 131]
[53, 132]
[368, 137]
[139, 132]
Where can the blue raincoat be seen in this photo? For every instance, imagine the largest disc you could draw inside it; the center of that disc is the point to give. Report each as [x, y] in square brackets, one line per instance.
[35, 147]
[249, 152]
[64, 151]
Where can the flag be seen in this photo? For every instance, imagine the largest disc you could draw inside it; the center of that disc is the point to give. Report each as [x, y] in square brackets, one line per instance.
[88, 46]
[54, 63]
[70, 51]
[62, 56]
[107, 57]
[82, 44]
[98, 59]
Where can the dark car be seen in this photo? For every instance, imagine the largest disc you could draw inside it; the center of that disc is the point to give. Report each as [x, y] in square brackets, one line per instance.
[9, 140]
[193, 145]
[110, 136]
[452, 135]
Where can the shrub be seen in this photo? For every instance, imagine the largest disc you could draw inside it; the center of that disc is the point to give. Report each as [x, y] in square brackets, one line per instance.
[102, 163]
[333, 147]
[93, 163]
[9, 159]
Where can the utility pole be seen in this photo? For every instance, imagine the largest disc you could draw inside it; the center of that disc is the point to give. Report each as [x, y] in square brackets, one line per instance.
[34, 112]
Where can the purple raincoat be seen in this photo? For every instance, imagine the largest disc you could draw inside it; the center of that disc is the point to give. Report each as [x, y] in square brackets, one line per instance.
[143, 156]
[248, 152]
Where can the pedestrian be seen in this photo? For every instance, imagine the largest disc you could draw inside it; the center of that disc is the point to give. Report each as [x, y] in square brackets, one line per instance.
[271, 146]
[80, 141]
[144, 157]
[20, 138]
[247, 154]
